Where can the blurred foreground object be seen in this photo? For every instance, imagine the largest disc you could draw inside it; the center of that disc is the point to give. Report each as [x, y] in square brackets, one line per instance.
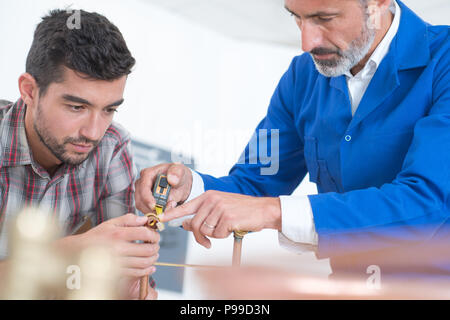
[35, 269]
[397, 271]
[100, 274]
[259, 283]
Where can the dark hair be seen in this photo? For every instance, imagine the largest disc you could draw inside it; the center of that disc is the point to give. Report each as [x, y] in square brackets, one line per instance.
[96, 48]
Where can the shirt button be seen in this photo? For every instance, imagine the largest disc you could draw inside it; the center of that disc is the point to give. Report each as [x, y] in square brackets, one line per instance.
[348, 138]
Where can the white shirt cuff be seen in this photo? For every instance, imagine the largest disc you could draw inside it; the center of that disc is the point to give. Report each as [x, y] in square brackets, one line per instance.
[298, 232]
[198, 187]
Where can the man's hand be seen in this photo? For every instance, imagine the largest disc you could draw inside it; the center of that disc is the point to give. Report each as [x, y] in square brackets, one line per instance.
[217, 214]
[179, 177]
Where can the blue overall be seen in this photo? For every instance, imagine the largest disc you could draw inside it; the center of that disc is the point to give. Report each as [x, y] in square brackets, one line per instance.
[383, 175]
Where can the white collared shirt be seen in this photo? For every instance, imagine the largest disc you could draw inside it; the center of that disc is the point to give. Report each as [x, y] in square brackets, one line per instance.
[298, 224]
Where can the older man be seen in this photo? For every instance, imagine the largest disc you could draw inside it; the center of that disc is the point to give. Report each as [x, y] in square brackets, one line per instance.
[366, 112]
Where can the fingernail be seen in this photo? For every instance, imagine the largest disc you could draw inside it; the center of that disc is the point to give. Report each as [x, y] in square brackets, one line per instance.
[173, 179]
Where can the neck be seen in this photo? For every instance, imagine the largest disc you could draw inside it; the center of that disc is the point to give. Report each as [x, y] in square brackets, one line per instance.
[386, 22]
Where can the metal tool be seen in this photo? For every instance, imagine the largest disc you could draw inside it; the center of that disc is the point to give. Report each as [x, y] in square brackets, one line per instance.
[237, 247]
[161, 191]
[177, 265]
[236, 259]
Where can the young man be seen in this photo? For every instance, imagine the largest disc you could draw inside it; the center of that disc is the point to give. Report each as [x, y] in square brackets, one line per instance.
[366, 112]
[61, 150]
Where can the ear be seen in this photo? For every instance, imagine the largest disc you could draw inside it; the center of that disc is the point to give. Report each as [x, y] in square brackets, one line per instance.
[378, 11]
[29, 90]
[383, 5]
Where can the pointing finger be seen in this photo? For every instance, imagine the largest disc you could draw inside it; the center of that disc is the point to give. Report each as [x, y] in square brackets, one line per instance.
[186, 209]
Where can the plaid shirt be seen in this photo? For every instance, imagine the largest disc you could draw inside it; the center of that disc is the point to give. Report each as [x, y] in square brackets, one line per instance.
[100, 188]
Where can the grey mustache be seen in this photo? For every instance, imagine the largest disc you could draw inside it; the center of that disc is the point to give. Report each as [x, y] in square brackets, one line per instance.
[322, 51]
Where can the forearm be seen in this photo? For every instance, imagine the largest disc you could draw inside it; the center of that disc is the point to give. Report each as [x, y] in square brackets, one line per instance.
[374, 219]
[355, 210]
[71, 244]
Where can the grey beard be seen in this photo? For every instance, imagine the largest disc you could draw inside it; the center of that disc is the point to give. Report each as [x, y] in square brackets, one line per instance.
[357, 50]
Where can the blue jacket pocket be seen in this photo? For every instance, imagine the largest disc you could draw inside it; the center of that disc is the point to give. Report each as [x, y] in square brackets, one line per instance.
[317, 168]
[310, 153]
[326, 182]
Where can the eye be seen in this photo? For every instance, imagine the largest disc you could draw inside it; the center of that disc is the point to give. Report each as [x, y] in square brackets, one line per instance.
[75, 108]
[323, 19]
[111, 110]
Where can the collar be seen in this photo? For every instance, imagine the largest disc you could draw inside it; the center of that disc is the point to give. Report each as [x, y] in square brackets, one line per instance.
[15, 149]
[411, 44]
[383, 47]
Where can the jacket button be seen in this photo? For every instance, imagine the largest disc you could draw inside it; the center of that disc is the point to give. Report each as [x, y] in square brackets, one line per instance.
[348, 138]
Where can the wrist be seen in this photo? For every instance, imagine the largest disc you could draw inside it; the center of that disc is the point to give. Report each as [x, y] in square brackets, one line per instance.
[272, 207]
[195, 185]
[72, 243]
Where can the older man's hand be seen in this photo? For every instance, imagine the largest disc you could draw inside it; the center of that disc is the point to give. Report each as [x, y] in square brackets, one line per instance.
[217, 214]
[179, 177]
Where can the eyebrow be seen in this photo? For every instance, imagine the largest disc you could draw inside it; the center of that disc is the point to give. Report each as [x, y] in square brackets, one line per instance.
[290, 11]
[75, 99]
[316, 14]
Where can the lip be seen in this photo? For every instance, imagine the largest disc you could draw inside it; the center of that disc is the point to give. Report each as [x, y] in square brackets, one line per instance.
[324, 56]
[82, 148]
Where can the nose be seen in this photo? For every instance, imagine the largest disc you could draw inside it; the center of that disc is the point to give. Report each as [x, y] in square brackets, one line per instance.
[312, 36]
[93, 127]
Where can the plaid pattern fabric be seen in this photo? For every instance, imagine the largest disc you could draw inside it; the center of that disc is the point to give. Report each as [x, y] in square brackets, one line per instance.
[100, 188]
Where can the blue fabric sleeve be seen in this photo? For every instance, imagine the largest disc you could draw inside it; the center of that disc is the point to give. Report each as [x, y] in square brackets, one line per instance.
[414, 207]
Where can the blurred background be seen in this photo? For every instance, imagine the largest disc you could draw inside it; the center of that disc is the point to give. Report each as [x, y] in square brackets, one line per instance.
[205, 73]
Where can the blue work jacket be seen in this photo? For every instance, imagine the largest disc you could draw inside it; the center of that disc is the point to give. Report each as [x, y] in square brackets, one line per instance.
[383, 175]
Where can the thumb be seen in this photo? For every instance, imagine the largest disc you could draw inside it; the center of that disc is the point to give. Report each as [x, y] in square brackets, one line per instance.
[180, 178]
[175, 174]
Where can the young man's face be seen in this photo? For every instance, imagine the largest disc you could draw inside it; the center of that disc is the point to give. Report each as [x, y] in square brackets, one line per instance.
[335, 32]
[73, 116]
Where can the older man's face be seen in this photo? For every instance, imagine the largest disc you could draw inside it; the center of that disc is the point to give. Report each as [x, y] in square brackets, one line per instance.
[334, 32]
